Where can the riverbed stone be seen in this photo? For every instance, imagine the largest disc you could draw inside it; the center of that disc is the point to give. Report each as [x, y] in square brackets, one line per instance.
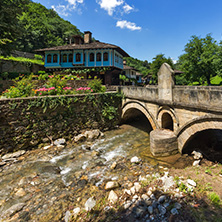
[92, 134]
[137, 186]
[196, 163]
[13, 209]
[60, 141]
[150, 209]
[67, 216]
[113, 166]
[76, 211]
[191, 182]
[20, 192]
[90, 203]
[111, 185]
[197, 155]
[112, 197]
[161, 199]
[13, 155]
[135, 159]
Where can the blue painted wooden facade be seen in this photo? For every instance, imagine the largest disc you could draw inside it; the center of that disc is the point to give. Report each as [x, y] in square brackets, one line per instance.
[83, 58]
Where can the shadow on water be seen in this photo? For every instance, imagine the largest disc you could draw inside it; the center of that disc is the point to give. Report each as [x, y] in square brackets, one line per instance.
[208, 142]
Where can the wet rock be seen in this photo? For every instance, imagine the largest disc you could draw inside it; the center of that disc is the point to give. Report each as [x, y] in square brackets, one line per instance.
[154, 204]
[20, 192]
[111, 185]
[139, 211]
[79, 138]
[113, 166]
[112, 197]
[13, 209]
[197, 155]
[47, 147]
[135, 159]
[90, 203]
[177, 205]
[82, 183]
[162, 209]
[191, 182]
[93, 134]
[174, 211]
[13, 155]
[150, 209]
[67, 216]
[2, 164]
[161, 199]
[59, 142]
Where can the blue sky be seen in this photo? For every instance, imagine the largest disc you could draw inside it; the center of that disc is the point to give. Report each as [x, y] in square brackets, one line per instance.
[143, 28]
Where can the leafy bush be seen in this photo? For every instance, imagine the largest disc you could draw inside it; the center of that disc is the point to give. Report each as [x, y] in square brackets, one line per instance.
[96, 85]
[22, 88]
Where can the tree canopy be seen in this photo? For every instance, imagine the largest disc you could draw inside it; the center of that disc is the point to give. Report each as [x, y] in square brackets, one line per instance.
[27, 26]
[158, 60]
[9, 31]
[201, 60]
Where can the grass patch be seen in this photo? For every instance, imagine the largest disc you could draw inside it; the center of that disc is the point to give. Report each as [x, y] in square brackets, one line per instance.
[214, 198]
[23, 60]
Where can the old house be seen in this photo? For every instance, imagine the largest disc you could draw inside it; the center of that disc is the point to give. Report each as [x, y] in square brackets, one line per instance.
[83, 53]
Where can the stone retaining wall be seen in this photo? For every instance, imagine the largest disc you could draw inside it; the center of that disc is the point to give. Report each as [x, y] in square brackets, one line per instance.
[27, 122]
[14, 66]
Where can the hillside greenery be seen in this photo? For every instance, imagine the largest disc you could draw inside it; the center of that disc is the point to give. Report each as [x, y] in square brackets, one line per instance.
[27, 26]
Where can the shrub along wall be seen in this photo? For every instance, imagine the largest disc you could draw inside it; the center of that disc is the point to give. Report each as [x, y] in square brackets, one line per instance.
[27, 122]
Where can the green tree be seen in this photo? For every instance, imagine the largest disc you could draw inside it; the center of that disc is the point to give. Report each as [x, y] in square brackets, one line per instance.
[9, 31]
[201, 59]
[42, 28]
[156, 64]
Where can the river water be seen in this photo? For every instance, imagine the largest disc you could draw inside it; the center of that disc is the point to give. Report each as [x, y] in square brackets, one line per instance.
[41, 178]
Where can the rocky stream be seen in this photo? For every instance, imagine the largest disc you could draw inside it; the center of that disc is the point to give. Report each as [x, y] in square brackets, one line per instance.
[92, 175]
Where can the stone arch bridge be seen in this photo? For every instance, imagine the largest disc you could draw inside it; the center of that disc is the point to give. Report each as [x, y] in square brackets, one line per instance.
[176, 113]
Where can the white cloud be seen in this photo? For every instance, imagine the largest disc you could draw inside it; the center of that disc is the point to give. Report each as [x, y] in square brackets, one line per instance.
[74, 2]
[127, 8]
[128, 25]
[109, 5]
[65, 9]
[61, 10]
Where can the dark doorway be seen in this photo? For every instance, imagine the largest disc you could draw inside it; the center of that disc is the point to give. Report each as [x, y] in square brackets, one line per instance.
[167, 121]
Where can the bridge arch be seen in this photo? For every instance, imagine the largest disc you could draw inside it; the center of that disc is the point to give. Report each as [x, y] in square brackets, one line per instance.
[167, 118]
[136, 105]
[195, 126]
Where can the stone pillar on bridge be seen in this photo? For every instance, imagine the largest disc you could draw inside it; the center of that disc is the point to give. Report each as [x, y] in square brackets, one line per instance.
[163, 142]
[165, 82]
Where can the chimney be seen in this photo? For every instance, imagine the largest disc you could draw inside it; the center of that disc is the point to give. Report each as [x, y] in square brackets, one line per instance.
[87, 37]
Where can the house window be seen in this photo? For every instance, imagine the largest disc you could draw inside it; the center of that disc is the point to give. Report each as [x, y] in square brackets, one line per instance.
[49, 58]
[78, 57]
[105, 57]
[70, 57]
[91, 57]
[55, 58]
[64, 58]
[98, 57]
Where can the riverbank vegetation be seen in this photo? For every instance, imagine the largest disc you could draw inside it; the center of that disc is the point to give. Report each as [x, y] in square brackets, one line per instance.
[46, 84]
